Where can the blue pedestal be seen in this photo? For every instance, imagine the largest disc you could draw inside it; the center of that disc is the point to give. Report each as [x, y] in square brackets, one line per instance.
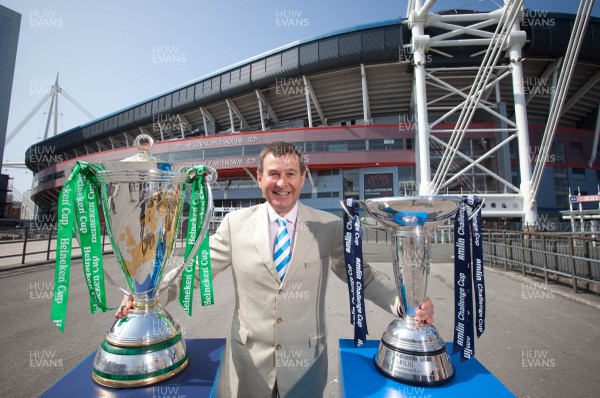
[199, 379]
[359, 378]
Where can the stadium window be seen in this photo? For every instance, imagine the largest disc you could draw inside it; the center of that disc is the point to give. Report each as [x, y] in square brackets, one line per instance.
[359, 145]
[578, 174]
[232, 151]
[336, 146]
[351, 183]
[328, 195]
[306, 196]
[315, 146]
[576, 148]
[251, 150]
[558, 149]
[376, 144]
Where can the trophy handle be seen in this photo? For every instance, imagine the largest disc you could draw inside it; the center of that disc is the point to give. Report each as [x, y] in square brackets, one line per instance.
[210, 176]
[363, 221]
[476, 209]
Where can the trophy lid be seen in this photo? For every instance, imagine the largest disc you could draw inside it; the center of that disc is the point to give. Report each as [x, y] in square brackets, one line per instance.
[141, 160]
[140, 167]
[412, 211]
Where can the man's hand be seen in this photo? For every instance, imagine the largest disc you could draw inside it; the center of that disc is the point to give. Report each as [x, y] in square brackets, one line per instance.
[126, 305]
[425, 312]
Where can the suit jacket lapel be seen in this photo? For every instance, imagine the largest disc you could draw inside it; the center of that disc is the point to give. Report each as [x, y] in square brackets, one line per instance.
[260, 236]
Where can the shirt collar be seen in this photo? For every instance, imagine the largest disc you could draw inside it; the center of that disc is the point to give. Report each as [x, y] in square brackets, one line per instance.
[289, 217]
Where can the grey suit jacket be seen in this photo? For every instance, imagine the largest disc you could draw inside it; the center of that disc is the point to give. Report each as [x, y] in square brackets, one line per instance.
[279, 330]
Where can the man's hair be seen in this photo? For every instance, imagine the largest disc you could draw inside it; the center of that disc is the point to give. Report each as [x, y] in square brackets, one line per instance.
[279, 149]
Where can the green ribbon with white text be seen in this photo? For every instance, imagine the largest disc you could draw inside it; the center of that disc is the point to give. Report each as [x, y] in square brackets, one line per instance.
[201, 260]
[78, 210]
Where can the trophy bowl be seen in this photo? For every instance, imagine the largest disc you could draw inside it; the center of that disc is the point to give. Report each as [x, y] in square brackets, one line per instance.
[142, 200]
[410, 351]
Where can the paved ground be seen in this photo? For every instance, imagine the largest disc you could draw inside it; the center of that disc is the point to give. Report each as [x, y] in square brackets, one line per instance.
[538, 342]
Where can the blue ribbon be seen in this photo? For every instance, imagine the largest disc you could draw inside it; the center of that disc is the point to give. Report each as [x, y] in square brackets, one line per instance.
[468, 272]
[354, 272]
[478, 275]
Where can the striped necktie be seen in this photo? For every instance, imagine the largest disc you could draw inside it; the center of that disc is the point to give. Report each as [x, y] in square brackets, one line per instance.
[282, 254]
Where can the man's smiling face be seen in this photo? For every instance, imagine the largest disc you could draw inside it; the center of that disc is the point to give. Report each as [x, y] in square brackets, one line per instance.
[281, 181]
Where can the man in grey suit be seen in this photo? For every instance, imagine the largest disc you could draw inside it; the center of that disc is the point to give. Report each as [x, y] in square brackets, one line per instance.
[278, 334]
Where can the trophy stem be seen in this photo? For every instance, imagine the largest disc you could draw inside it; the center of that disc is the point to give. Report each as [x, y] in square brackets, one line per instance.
[142, 304]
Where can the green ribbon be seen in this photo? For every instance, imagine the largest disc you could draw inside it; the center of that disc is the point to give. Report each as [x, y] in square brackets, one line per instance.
[78, 210]
[201, 260]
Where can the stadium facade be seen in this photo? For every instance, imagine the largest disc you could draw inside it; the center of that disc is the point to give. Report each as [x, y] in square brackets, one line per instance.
[347, 101]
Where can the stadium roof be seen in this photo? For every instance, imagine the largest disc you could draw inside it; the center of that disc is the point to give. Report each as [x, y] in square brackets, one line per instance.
[332, 65]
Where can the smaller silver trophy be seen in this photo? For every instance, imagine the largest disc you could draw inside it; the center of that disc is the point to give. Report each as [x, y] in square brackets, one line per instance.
[410, 351]
[143, 199]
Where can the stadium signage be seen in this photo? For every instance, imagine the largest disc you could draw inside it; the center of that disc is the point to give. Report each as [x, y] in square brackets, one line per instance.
[217, 142]
[378, 185]
[585, 198]
[225, 163]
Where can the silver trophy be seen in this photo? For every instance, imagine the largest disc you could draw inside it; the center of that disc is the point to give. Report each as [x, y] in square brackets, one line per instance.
[142, 200]
[410, 351]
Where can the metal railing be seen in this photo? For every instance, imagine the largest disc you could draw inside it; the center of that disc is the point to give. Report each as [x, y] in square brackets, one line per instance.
[573, 259]
[22, 245]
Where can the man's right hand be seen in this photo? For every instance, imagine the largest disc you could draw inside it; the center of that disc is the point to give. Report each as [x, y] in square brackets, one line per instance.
[126, 305]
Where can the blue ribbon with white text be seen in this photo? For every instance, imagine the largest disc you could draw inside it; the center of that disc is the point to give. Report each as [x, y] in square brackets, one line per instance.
[354, 271]
[468, 273]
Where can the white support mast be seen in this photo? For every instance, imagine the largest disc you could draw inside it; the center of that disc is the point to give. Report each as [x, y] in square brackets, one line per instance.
[416, 20]
[456, 169]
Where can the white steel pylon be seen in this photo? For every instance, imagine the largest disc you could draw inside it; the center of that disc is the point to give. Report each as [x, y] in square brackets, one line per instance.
[52, 95]
[460, 160]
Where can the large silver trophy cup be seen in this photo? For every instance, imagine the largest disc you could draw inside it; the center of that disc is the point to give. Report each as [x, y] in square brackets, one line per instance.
[143, 200]
[410, 351]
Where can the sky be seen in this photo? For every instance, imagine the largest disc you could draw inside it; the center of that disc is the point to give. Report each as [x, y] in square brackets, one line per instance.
[112, 54]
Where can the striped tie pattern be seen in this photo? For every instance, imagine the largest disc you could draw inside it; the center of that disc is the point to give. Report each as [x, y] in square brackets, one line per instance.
[282, 254]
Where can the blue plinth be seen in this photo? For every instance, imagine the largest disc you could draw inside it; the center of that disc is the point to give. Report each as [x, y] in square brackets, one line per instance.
[359, 378]
[199, 379]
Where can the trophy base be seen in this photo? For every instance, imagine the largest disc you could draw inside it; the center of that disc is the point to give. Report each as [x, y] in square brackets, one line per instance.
[143, 348]
[414, 355]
